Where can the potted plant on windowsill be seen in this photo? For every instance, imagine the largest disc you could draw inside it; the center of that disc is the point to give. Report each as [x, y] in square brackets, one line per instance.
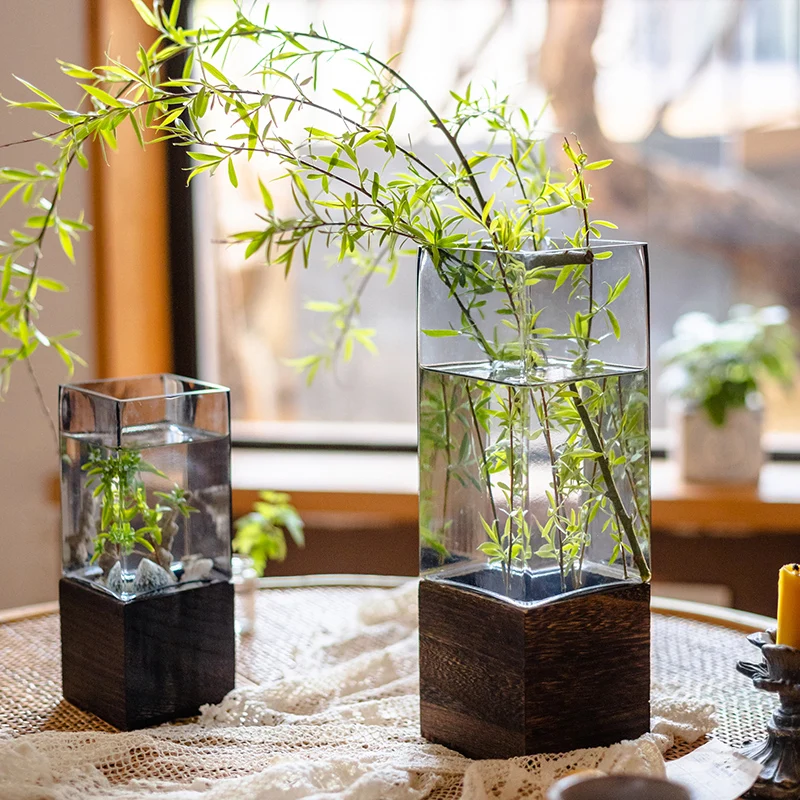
[533, 355]
[714, 376]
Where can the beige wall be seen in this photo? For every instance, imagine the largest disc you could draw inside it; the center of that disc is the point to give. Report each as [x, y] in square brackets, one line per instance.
[33, 33]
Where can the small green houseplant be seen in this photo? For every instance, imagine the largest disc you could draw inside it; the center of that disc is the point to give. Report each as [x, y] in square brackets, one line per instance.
[715, 372]
[533, 362]
[261, 534]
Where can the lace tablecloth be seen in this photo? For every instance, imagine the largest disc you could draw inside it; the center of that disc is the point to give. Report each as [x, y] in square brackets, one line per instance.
[299, 628]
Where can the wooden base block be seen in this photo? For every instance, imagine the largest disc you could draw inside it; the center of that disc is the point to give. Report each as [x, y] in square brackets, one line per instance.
[500, 679]
[148, 660]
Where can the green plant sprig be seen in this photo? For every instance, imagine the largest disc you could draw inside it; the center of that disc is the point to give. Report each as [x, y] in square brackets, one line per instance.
[420, 205]
[261, 533]
[116, 479]
[355, 210]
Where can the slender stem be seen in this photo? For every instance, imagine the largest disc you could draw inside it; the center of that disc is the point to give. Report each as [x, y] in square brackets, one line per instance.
[591, 482]
[631, 481]
[591, 267]
[485, 346]
[303, 101]
[623, 554]
[483, 459]
[448, 451]
[611, 487]
[511, 486]
[37, 387]
[437, 120]
[545, 423]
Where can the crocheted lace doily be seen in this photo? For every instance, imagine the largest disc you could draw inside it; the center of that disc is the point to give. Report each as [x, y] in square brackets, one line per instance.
[344, 725]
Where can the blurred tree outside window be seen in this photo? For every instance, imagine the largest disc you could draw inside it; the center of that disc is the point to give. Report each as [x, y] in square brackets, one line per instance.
[697, 101]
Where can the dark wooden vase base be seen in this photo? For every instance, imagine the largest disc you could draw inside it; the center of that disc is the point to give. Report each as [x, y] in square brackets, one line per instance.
[148, 660]
[499, 679]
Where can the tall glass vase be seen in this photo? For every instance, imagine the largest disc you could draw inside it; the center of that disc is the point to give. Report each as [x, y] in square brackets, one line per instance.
[534, 446]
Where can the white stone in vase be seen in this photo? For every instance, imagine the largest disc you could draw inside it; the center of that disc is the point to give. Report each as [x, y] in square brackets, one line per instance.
[149, 576]
[114, 581]
[197, 569]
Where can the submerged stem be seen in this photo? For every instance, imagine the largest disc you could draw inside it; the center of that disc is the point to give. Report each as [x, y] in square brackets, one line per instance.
[448, 451]
[484, 462]
[545, 423]
[611, 487]
[511, 485]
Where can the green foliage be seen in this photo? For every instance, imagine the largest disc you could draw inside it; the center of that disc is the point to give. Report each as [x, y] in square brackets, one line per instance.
[595, 433]
[261, 533]
[116, 479]
[368, 218]
[721, 366]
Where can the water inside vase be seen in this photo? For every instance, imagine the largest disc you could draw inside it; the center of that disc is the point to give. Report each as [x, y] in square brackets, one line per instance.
[536, 486]
[150, 515]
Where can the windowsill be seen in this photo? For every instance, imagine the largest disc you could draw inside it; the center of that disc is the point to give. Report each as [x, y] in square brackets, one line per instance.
[385, 485]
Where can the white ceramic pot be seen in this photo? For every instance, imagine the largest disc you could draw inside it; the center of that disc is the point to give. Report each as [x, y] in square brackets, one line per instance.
[708, 453]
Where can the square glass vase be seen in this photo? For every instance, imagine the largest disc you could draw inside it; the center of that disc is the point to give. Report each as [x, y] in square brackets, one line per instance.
[534, 452]
[146, 545]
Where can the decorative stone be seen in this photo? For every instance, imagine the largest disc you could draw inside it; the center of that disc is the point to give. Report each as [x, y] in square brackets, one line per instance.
[149, 577]
[114, 581]
[197, 569]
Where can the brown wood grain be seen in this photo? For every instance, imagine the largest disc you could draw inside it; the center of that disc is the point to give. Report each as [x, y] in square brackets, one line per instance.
[499, 679]
[149, 660]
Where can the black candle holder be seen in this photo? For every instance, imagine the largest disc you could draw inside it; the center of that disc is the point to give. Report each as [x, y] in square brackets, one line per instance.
[779, 753]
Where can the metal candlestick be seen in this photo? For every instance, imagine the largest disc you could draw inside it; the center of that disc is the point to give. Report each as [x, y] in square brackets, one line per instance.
[779, 753]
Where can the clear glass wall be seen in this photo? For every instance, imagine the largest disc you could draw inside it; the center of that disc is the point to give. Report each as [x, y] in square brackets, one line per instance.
[534, 419]
[145, 483]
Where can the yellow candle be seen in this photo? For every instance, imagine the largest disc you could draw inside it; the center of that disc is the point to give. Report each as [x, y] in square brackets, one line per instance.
[789, 606]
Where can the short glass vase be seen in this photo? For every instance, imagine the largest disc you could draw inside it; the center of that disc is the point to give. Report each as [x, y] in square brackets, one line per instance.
[146, 518]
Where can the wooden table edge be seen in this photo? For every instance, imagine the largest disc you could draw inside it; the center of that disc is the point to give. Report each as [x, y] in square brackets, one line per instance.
[28, 612]
[701, 612]
[731, 618]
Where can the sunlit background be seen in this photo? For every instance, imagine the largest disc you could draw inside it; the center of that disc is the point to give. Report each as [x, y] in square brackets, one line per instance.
[697, 102]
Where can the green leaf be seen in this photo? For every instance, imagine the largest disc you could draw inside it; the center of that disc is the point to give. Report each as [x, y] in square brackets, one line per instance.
[566, 271]
[545, 210]
[614, 323]
[75, 71]
[619, 288]
[349, 98]
[266, 196]
[487, 209]
[145, 13]
[439, 334]
[322, 306]
[51, 285]
[232, 174]
[66, 244]
[102, 96]
[43, 95]
[599, 164]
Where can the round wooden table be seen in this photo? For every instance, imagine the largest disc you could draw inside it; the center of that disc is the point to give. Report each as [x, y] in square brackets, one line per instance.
[695, 647]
